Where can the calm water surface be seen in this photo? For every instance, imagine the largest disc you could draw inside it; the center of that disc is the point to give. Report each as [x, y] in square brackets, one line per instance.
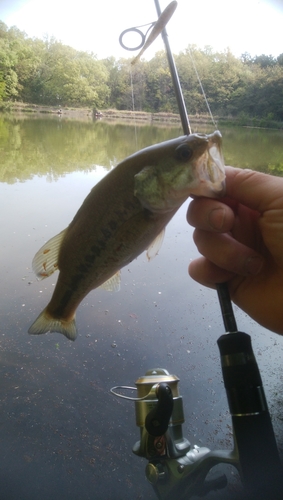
[62, 433]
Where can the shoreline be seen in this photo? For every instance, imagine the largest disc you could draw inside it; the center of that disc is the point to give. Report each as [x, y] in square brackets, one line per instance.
[71, 112]
[21, 108]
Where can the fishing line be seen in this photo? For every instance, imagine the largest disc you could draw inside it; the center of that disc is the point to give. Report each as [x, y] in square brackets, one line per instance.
[202, 89]
[133, 106]
[175, 79]
[222, 288]
[132, 89]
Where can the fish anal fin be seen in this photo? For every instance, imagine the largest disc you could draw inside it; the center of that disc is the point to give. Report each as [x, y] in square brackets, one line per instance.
[113, 284]
[155, 246]
[45, 261]
[46, 323]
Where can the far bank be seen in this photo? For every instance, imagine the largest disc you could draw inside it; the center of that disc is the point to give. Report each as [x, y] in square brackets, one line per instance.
[243, 120]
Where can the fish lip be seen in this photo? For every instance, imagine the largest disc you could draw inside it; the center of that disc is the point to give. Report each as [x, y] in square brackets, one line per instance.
[215, 150]
[212, 167]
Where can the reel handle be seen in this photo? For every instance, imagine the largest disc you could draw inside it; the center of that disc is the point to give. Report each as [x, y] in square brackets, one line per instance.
[157, 420]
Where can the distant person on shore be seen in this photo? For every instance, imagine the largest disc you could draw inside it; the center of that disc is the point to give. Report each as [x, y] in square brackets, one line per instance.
[241, 242]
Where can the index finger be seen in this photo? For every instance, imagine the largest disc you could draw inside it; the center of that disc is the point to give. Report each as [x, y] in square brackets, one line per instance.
[253, 189]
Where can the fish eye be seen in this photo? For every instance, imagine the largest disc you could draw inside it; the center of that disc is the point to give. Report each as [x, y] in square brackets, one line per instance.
[183, 152]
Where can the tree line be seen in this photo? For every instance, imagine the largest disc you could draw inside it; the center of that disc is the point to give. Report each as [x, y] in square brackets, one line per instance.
[48, 72]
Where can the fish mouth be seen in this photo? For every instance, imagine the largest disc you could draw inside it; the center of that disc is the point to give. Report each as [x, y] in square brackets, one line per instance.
[211, 167]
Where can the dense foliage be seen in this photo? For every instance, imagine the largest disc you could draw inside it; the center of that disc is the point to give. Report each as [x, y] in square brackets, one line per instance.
[48, 72]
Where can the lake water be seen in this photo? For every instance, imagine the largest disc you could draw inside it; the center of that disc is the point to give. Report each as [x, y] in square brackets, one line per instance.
[62, 433]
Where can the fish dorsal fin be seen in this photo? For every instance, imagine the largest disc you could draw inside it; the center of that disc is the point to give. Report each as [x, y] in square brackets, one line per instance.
[113, 284]
[155, 246]
[45, 261]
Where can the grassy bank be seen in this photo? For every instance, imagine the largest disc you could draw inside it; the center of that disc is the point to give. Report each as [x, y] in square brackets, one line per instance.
[142, 116]
[242, 120]
[251, 122]
[22, 107]
[151, 117]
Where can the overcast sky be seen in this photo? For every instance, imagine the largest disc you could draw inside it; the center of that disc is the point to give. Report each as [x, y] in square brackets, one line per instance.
[253, 26]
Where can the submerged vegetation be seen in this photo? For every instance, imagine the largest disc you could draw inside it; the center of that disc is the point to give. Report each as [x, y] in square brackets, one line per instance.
[47, 72]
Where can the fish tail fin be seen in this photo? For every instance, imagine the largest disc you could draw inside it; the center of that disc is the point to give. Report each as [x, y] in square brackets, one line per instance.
[46, 323]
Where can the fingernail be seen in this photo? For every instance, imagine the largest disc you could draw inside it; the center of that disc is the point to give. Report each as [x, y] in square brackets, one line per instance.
[216, 218]
[254, 265]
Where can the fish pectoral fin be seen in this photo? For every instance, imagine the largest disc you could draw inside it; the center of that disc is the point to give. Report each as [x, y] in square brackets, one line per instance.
[155, 246]
[45, 261]
[113, 284]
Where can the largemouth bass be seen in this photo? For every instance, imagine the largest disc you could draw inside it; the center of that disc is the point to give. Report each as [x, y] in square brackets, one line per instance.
[124, 214]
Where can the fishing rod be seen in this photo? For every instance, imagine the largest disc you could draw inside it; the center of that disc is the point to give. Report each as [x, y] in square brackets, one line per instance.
[223, 292]
[174, 468]
[245, 393]
[175, 78]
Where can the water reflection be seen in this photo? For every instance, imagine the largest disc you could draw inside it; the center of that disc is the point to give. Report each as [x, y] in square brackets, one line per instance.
[53, 146]
[62, 433]
[257, 149]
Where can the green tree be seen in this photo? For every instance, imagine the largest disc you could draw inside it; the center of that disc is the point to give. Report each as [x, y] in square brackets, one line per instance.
[159, 93]
[69, 77]
[8, 58]
[264, 61]
[119, 83]
[49, 72]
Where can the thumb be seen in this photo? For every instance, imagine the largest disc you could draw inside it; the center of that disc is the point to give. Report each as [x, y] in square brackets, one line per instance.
[255, 190]
[263, 193]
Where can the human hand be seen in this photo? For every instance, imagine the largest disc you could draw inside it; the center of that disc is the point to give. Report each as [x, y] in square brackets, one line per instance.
[241, 240]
